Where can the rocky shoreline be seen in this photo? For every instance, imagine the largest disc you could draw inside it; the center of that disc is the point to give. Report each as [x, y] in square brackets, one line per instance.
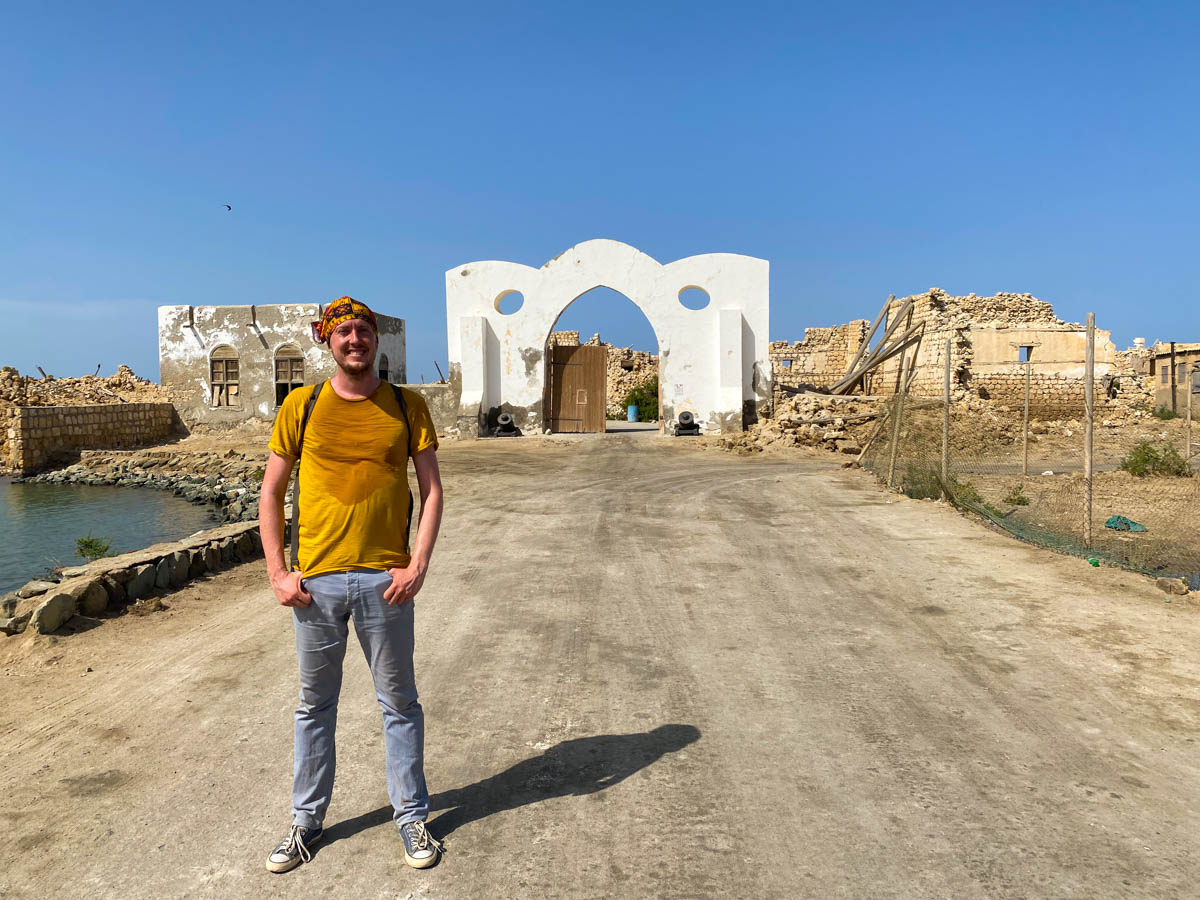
[132, 582]
[229, 481]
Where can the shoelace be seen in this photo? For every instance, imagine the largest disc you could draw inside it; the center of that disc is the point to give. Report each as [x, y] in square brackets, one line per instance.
[295, 839]
[423, 838]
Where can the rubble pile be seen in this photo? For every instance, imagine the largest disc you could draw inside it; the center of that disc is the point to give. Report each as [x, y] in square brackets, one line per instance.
[836, 424]
[998, 309]
[90, 390]
[12, 387]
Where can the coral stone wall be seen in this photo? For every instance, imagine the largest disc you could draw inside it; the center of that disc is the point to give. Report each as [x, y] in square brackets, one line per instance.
[820, 360]
[40, 435]
[17, 390]
[986, 339]
[1050, 396]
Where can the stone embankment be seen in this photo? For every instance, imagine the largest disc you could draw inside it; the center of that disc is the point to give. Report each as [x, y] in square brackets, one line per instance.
[230, 480]
[132, 581]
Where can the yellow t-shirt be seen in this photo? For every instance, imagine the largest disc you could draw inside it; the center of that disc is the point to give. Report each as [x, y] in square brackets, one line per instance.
[353, 475]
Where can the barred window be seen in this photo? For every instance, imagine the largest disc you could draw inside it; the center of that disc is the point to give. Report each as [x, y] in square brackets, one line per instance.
[224, 377]
[289, 371]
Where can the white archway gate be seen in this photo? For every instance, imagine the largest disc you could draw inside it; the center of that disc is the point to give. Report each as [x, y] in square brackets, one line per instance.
[713, 362]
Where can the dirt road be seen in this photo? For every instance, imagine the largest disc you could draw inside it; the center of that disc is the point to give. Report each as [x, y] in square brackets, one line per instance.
[648, 671]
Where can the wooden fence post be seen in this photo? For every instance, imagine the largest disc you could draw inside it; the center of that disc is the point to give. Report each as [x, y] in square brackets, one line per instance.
[1025, 428]
[946, 420]
[1088, 398]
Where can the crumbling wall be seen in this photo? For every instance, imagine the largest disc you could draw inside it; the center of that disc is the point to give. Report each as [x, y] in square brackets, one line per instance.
[17, 390]
[820, 360]
[38, 436]
[442, 400]
[563, 339]
[990, 339]
[121, 387]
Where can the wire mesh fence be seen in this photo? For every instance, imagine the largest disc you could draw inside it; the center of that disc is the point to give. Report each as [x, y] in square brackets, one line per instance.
[1137, 505]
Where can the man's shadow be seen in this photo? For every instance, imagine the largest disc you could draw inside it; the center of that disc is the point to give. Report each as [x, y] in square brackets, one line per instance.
[575, 767]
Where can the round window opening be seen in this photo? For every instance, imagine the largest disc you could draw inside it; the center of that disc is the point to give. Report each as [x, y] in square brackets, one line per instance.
[693, 297]
[509, 302]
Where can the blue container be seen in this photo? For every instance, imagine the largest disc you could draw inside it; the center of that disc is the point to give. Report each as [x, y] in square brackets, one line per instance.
[631, 413]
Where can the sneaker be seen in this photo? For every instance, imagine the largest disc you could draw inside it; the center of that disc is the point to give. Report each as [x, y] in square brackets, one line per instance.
[420, 849]
[293, 849]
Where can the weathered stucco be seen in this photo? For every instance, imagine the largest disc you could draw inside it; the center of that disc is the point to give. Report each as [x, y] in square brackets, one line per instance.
[712, 360]
[188, 335]
[442, 400]
[1056, 349]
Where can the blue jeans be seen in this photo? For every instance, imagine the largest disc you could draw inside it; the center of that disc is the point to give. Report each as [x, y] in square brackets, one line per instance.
[386, 635]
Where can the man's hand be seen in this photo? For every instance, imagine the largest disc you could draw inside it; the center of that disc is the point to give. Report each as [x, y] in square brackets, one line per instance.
[288, 589]
[405, 584]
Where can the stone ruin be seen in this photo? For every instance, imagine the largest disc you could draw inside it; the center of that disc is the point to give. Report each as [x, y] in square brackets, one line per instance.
[22, 392]
[993, 340]
[90, 390]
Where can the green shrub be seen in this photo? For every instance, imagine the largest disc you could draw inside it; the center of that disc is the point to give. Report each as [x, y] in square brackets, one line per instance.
[965, 492]
[645, 397]
[1016, 497]
[921, 483]
[258, 474]
[1149, 458]
[92, 547]
[1165, 413]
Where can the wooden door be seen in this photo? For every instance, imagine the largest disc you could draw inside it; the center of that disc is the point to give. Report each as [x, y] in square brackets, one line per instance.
[578, 389]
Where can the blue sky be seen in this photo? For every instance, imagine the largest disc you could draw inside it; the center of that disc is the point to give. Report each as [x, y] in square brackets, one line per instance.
[365, 148]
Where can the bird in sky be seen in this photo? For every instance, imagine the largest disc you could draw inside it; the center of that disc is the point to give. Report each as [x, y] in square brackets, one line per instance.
[228, 207]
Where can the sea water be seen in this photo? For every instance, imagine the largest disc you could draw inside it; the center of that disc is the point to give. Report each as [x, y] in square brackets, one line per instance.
[40, 523]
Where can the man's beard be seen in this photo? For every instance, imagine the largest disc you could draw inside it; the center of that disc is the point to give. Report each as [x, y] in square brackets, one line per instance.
[355, 366]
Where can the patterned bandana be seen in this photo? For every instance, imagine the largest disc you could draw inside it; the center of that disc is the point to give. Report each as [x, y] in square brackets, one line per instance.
[341, 310]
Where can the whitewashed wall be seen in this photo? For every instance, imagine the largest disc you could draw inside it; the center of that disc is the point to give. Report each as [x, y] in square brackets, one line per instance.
[713, 362]
[187, 337]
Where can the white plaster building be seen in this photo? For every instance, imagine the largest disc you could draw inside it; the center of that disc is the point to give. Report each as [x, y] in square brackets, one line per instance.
[225, 364]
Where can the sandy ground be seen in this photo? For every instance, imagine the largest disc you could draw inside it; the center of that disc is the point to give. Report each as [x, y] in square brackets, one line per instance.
[648, 671]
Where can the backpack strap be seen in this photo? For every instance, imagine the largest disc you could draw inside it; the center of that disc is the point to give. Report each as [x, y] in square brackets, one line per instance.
[408, 427]
[295, 523]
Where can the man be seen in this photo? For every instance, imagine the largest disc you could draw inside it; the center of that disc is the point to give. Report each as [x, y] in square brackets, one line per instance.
[353, 563]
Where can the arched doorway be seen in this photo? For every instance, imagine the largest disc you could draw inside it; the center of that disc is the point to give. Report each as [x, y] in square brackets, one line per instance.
[713, 359]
